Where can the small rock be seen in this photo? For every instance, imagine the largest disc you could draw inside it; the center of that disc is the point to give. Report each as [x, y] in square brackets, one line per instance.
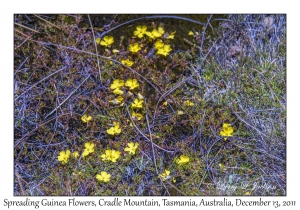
[234, 50]
[268, 21]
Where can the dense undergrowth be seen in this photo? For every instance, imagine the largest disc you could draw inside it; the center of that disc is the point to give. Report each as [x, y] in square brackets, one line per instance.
[204, 107]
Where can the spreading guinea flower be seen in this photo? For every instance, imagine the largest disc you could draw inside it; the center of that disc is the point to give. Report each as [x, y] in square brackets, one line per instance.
[107, 41]
[227, 130]
[111, 155]
[158, 33]
[103, 177]
[88, 149]
[188, 103]
[182, 160]
[115, 129]
[117, 100]
[140, 31]
[86, 118]
[132, 84]
[158, 44]
[132, 147]
[164, 50]
[134, 48]
[137, 116]
[164, 175]
[64, 156]
[137, 104]
[127, 62]
[117, 83]
[75, 154]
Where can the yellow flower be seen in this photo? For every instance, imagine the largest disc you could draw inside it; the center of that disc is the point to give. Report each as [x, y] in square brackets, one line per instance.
[173, 180]
[134, 48]
[114, 155]
[247, 193]
[115, 129]
[98, 40]
[188, 103]
[64, 156]
[111, 155]
[165, 50]
[158, 33]
[132, 84]
[117, 91]
[85, 153]
[150, 35]
[107, 41]
[180, 112]
[117, 83]
[140, 31]
[165, 103]
[86, 118]
[103, 177]
[171, 36]
[75, 154]
[89, 147]
[226, 131]
[117, 100]
[164, 175]
[127, 62]
[158, 44]
[137, 103]
[132, 147]
[182, 160]
[191, 33]
[137, 116]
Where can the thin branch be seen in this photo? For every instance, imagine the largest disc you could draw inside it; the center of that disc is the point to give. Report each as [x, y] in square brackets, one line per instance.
[67, 97]
[96, 49]
[27, 27]
[48, 22]
[150, 135]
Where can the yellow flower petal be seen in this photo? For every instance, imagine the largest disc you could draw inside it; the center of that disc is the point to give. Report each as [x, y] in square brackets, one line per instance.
[103, 177]
[188, 103]
[158, 44]
[86, 118]
[171, 36]
[140, 96]
[127, 62]
[132, 84]
[183, 160]
[191, 33]
[117, 83]
[117, 91]
[161, 30]
[107, 41]
[180, 112]
[137, 104]
[75, 154]
[137, 116]
[115, 51]
[132, 147]
[134, 48]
